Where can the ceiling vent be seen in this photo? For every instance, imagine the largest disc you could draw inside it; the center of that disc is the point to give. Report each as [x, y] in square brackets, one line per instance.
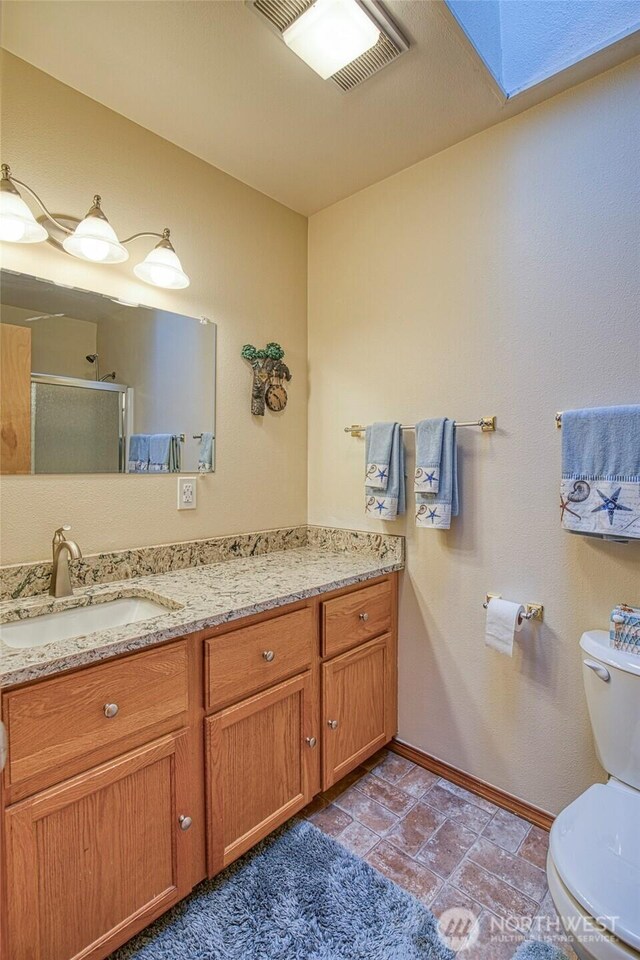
[280, 14]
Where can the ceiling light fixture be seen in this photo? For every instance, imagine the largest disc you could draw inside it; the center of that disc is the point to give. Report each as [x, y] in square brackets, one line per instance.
[345, 41]
[331, 34]
[92, 238]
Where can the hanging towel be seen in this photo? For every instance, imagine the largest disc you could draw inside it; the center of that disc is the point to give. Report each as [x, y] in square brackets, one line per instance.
[434, 510]
[429, 434]
[164, 453]
[600, 487]
[175, 455]
[138, 453]
[391, 502]
[205, 457]
[379, 439]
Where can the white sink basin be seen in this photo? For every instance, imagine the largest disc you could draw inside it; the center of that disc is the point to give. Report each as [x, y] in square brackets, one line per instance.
[78, 621]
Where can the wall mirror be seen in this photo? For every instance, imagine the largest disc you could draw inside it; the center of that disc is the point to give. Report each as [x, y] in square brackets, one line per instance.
[91, 384]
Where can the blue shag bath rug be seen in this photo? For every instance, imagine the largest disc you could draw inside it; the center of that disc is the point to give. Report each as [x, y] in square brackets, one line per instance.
[298, 895]
[537, 950]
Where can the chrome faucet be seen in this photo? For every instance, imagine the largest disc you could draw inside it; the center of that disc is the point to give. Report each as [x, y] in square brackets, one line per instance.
[63, 551]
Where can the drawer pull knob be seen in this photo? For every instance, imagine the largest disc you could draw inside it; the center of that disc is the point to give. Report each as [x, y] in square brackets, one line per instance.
[333, 724]
[312, 742]
[268, 655]
[110, 710]
[364, 617]
[185, 822]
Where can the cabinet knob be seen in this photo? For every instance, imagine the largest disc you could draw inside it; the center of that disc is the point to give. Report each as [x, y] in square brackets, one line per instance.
[110, 710]
[312, 742]
[333, 724]
[185, 822]
[268, 655]
[364, 617]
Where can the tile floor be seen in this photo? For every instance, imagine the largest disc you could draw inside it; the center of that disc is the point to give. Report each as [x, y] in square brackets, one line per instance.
[448, 847]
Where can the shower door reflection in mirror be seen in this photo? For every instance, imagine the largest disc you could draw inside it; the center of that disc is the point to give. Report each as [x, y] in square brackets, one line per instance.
[90, 384]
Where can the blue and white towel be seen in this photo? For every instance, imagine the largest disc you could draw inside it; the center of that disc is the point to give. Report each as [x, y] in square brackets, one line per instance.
[429, 434]
[600, 487]
[139, 453]
[435, 510]
[164, 453]
[205, 457]
[386, 502]
[379, 439]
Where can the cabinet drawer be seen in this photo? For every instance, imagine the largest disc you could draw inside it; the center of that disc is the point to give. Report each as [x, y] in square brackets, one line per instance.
[355, 617]
[61, 720]
[241, 663]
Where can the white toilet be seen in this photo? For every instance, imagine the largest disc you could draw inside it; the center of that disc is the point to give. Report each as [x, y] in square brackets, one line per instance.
[593, 865]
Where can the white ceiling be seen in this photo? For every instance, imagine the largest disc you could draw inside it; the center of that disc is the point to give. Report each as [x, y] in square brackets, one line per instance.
[209, 76]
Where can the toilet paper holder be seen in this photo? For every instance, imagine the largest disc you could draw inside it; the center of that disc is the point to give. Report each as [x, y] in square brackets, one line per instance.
[532, 611]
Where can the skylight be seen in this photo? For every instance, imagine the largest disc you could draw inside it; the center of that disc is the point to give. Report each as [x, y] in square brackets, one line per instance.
[523, 42]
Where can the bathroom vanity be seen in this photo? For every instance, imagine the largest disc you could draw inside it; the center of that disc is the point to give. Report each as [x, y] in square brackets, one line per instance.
[133, 776]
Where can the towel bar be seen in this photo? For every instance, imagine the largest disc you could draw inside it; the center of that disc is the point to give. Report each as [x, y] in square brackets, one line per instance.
[487, 424]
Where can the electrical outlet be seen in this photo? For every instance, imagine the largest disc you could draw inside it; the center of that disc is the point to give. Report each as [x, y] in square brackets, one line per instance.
[186, 493]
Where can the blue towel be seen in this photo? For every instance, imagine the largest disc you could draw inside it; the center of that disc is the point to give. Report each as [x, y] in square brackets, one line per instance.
[600, 488]
[391, 502]
[205, 457]
[138, 453]
[164, 453]
[379, 439]
[429, 434]
[434, 510]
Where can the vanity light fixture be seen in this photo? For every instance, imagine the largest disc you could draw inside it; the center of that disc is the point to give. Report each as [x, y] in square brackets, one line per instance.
[92, 238]
[162, 267]
[17, 223]
[95, 239]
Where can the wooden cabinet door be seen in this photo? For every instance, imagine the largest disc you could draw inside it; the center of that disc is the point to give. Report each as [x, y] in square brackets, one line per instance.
[356, 707]
[258, 758]
[96, 858]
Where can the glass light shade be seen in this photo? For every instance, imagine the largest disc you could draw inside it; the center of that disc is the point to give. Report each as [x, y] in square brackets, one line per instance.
[162, 268]
[95, 239]
[331, 34]
[17, 223]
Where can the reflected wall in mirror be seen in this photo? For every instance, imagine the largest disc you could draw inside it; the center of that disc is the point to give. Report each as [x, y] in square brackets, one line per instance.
[90, 384]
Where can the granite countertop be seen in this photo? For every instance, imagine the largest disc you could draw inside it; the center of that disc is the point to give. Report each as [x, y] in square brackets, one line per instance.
[196, 598]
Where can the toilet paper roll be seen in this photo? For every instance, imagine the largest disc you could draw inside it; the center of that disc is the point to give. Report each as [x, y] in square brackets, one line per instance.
[503, 622]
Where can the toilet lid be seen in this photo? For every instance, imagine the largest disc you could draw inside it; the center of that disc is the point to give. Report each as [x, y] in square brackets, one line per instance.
[595, 845]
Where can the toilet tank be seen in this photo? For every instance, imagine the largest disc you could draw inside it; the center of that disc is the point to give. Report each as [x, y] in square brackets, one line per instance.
[612, 685]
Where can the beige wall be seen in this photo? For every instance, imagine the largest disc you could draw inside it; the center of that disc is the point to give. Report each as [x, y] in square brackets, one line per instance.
[246, 256]
[499, 277]
[59, 345]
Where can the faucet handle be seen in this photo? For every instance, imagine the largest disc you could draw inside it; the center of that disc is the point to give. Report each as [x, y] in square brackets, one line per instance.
[60, 532]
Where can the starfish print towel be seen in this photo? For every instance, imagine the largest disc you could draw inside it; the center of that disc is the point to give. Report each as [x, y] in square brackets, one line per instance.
[429, 435]
[384, 495]
[435, 510]
[600, 487]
